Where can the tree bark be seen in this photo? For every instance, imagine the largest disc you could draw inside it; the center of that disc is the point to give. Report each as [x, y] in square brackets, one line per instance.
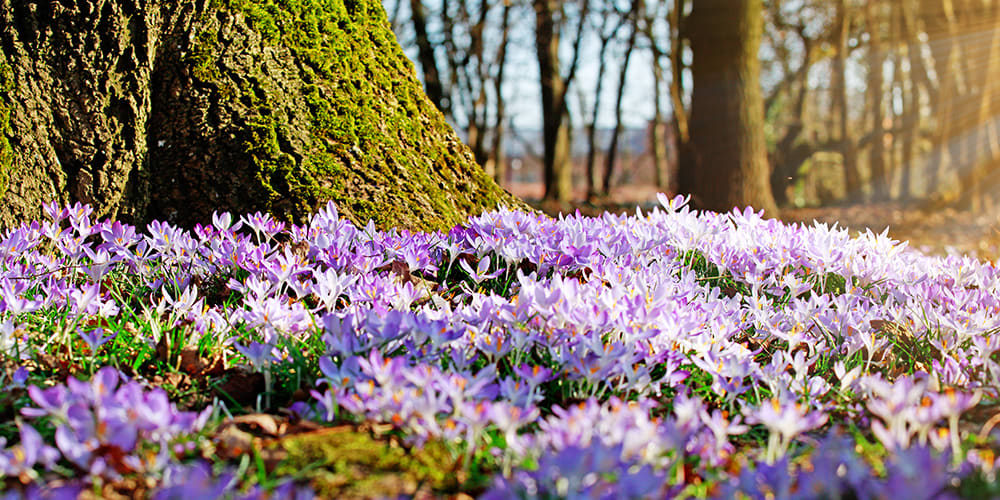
[942, 31]
[557, 174]
[612, 154]
[848, 152]
[426, 58]
[658, 129]
[590, 164]
[876, 156]
[726, 161]
[163, 110]
[498, 159]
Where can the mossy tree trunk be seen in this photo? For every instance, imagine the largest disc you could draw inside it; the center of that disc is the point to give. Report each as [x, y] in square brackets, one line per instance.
[172, 110]
[724, 164]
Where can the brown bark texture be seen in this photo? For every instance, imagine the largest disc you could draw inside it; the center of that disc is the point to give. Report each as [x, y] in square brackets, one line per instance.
[172, 110]
[725, 161]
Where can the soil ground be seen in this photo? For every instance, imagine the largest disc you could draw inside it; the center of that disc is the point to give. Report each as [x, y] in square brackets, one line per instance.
[938, 231]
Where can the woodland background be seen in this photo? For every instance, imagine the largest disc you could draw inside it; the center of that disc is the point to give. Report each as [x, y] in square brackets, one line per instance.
[886, 102]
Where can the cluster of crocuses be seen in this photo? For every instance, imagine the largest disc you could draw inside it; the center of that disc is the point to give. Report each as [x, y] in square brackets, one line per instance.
[103, 429]
[667, 353]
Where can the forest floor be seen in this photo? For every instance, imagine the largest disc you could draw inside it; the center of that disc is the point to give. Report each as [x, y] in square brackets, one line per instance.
[937, 231]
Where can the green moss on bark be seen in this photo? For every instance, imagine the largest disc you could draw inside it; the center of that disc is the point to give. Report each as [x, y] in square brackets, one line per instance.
[376, 146]
[235, 105]
[6, 151]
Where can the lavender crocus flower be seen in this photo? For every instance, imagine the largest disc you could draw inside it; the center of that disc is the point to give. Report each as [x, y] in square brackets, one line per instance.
[785, 420]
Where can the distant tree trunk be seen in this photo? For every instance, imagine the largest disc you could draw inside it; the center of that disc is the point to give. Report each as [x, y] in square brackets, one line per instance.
[657, 130]
[942, 30]
[425, 56]
[174, 110]
[612, 153]
[874, 91]
[682, 134]
[475, 77]
[987, 153]
[657, 127]
[848, 153]
[917, 75]
[394, 16]
[791, 151]
[499, 157]
[557, 173]
[590, 164]
[726, 162]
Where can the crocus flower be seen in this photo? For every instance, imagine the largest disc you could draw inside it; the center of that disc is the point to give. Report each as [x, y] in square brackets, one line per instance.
[785, 420]
[21, 459]
[481, 272]
[258, 354]
[94, 338]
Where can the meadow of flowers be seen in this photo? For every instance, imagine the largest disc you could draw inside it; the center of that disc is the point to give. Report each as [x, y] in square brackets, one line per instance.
[672, 353]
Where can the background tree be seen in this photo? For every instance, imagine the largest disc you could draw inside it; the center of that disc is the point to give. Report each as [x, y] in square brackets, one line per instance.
[657, 128]
[881, 101]
[468, 42]
[551, 19]
[632, 23]
[172, 110]
[610, 24]
[725, 163]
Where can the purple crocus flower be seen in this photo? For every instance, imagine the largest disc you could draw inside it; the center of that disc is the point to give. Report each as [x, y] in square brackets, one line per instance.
[481, 272]
[784, 419]
[19, 377]
[21, 459]
[94, 338]
[196, 480]
[258, 354]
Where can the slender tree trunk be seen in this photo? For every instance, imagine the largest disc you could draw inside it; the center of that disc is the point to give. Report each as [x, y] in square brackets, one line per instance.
[612, 153]
[475, 84]
[499, 157]
[397, 7]
[942, 31]
[726, 162]
[682, 134]
[425, 56]
[593, 182]
[986, 154]
[657, 135]
[657, 127]
[874, 91]
[848, 153]
[557, 173]
[918, 82]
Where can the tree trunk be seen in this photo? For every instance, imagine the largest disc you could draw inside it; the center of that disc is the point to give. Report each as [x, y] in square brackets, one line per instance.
[590, 164]
[612, 153]
[553, 90]
[677, 38]
[549, 18]
[726, 163]
[917, 77]
[942, 31]
[876, 156]
[498, 157]
[425, 55]
[986, 154]
[657, 130]
[159, 110]
[848, 153]
[657, 127]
